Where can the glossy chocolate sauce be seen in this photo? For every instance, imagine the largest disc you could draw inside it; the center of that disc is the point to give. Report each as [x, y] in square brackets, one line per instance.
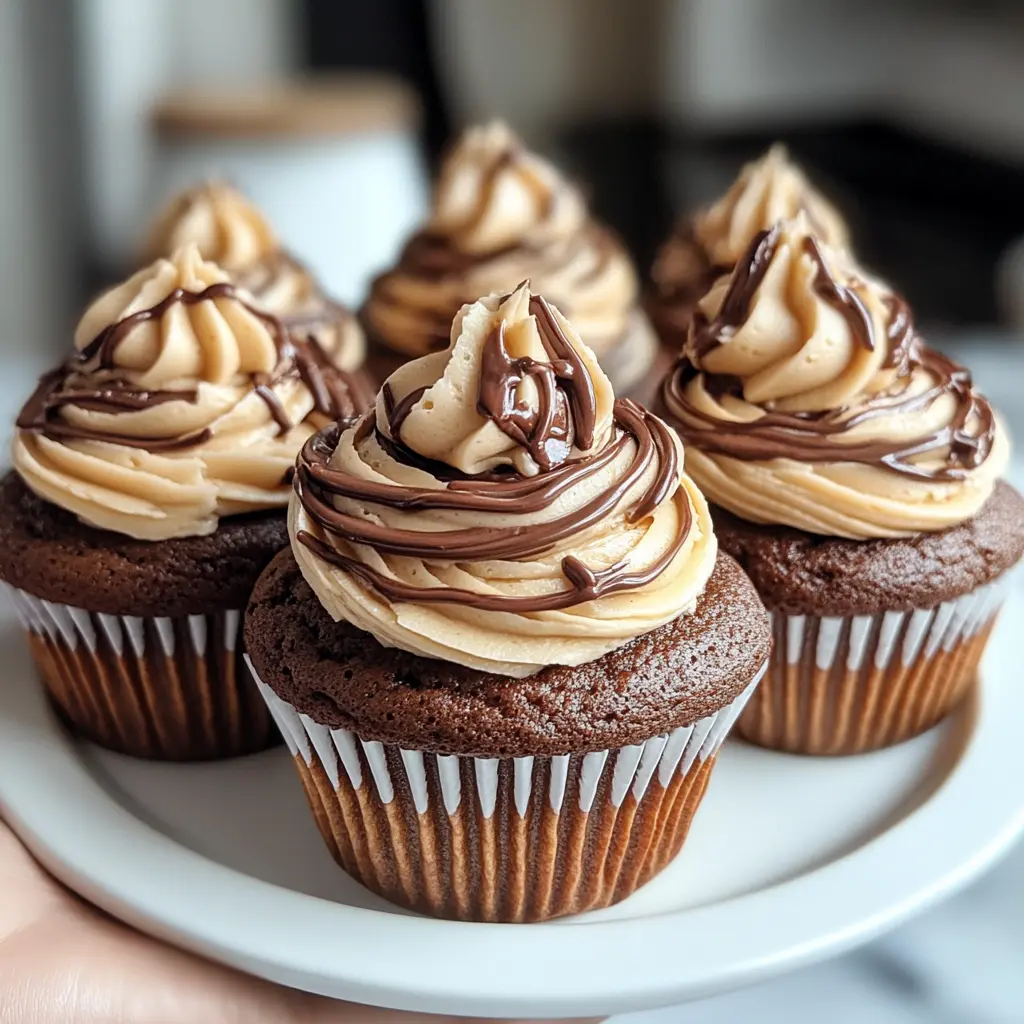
[708, 334]
[675, 299]
[334, 393]
[544, 431]
[436, 324]
[317, 314]
[566, 414]
[316, 484]
[844, 300]
[434, 257]
[817, 437]
[566, 400]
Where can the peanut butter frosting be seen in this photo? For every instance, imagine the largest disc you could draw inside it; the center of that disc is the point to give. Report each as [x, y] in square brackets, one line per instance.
[710, 242]
[230, 231]
[499, 508]
[184, 402]
[501, 214]
[807, 399]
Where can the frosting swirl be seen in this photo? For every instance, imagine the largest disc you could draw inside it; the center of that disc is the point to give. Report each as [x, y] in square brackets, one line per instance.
[230, 231]
[499, 508]
[714, 239]
[184, 402]
[808, 400]
[226, 228]
[501, 214]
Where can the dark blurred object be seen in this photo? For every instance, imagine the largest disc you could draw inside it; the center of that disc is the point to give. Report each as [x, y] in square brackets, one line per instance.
[379, 35]
[621, 168]
[929, 216]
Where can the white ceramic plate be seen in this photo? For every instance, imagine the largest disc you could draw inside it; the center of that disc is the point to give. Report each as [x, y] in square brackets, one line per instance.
[789, 860]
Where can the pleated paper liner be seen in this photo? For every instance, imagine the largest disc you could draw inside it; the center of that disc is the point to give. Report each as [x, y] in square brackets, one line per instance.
[849, 685]
[174, 689]
[503, 839]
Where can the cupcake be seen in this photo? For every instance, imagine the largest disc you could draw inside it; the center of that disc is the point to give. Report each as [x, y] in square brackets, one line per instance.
[501, 214]
[151, 474]
[710, 242]
[855, 474]
[231, 232]
[503, 647]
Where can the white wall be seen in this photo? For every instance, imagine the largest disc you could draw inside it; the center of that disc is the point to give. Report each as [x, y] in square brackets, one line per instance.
[947, 68]
[133, 50]
[22, 255]
[736, 63]
[708, 62]
[89, 69]
[539, 63]
[967, 81]
[951, 70]
[38, 230]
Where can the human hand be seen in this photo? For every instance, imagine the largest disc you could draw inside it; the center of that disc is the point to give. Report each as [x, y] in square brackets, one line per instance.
[64, 962]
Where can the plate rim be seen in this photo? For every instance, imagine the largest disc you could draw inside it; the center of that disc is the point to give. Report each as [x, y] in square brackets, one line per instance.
[605, 967]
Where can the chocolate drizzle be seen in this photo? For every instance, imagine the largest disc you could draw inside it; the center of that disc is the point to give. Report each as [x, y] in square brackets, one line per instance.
[433, 257]
[334, 393]
[706, 335]
[818, 436]
[814, 437]
[41, 413]
[566, 412]
[544, 431]
[678, 289]
[318, 484]
[899, 335]
[398, 412]
[339, 395]
[314, 315]
[709, 334]
[845, 300]
[566, 406]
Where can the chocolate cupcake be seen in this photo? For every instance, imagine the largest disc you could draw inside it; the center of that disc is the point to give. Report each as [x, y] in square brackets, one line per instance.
[503, 647]
[709, 243]
[151, 473]
[231, 232]
[855, 473]
[501, 215]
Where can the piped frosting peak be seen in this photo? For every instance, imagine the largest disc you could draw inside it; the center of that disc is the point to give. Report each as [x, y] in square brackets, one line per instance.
[501, 214]
[183, 402]
[500, 508]
[808, 399]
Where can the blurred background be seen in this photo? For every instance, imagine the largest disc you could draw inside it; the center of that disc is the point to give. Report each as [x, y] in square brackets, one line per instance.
[331, 115]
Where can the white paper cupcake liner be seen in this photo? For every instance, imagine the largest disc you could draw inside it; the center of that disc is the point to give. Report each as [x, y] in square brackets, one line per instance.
[158, 687]
[843, 685]
[503, 839]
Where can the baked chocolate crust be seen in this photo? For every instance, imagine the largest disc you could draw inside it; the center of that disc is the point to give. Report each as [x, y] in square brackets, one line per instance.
[801, 573]
[50, 553]
[343, 678]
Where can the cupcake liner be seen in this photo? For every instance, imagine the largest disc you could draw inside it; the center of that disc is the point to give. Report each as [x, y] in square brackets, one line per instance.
[175, 689]
[840, 685]
[503, 839]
